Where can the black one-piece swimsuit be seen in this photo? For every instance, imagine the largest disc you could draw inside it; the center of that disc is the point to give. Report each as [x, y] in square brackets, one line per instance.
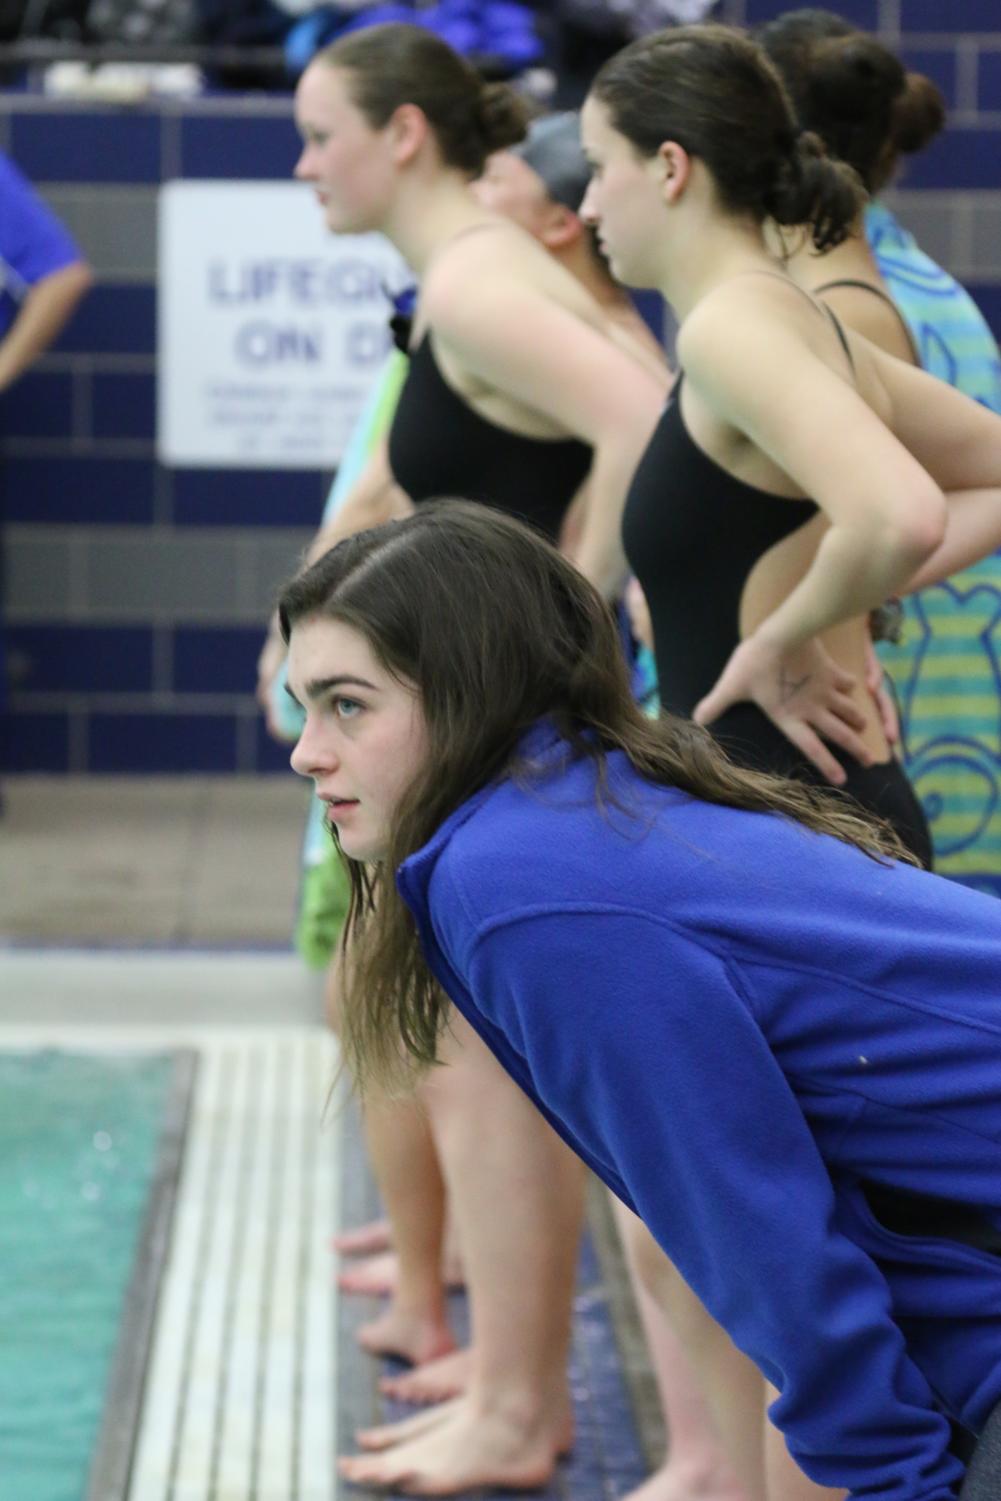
[439, 447]
[693, 534]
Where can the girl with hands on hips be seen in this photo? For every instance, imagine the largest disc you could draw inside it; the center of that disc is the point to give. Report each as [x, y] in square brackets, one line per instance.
[798, 476]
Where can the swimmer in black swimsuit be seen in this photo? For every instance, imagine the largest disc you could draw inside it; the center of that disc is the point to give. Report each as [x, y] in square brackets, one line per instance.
[516, 392]
[797, 479]
[693, 571]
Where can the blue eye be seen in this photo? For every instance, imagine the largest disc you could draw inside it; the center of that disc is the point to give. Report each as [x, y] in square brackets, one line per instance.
[347, 708]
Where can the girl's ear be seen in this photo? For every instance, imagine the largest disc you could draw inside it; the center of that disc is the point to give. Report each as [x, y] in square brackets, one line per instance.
[677, 167]
[408, 130]
[562, 227]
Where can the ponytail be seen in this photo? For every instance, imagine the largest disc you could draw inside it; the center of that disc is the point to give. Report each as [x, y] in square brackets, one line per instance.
[852, 91]
[814, 190]
[502, 116]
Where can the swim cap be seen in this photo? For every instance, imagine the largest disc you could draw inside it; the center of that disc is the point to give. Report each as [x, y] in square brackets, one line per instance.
[553, 151]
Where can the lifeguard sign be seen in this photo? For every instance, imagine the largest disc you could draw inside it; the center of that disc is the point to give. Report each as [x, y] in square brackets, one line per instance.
[270, 327]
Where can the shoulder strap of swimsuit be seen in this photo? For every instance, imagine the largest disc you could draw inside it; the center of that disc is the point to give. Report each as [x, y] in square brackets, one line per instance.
[867, 286]
[820, 305]
[864, 286]
[842, 336]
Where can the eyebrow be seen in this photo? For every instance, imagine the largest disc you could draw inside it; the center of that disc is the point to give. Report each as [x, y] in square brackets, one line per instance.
[319, 686]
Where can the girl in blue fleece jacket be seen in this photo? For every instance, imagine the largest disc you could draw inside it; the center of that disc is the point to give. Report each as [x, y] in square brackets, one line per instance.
[776, 1042]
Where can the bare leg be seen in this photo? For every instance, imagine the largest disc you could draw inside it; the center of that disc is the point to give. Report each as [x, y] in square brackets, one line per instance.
[696, 1465]
[729, 1382]
[517, 1194]
[380, 1274]
[405, 1164]
[786, 1481]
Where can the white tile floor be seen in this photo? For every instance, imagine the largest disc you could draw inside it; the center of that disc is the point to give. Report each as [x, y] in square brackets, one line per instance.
[240, 1400]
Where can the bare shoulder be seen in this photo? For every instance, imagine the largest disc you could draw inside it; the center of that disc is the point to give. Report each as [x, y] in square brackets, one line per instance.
[500, 264]
[743, 310]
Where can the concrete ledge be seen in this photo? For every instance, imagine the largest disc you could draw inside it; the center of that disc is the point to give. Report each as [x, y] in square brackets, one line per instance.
[124, 989]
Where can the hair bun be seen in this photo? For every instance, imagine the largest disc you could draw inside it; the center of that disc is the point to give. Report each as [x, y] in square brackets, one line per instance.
[812, 188]
[856, 75]
[919, 113]
[502, 116]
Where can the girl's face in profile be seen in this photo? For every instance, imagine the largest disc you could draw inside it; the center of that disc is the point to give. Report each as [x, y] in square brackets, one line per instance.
[349, 164]
[624, 200]
[365, 737]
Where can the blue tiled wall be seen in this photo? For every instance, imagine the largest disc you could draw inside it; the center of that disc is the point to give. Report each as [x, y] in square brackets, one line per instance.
[114, 319]
[864, 13]
[152, 742]
[81, 659]
[61, 489]
[108, 677]
[249, 497]
[88, 146]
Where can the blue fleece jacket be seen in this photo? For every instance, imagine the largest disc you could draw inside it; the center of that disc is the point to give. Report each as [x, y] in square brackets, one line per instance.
[737, 1022]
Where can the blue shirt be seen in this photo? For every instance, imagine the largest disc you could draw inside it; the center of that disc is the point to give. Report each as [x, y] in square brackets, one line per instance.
[33, 243]
[736, 1022]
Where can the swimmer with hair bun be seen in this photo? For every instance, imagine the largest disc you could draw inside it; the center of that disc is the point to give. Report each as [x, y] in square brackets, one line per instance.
[798, 477]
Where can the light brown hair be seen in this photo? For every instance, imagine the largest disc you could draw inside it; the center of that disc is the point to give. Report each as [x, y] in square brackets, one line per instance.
[398, 64]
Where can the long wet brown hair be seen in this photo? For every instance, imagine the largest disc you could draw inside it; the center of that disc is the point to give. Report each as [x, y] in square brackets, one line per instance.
[496, 630]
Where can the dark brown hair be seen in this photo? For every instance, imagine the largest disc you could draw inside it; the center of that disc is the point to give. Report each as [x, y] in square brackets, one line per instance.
[399, 64]
[496, 630]
[852, 91]
[713, 90]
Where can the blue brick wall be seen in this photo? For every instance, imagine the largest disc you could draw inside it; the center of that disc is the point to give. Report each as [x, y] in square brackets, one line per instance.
[106, 676]
[109, 678]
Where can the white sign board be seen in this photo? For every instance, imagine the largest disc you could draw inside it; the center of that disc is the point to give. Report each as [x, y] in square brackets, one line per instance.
[270, 327]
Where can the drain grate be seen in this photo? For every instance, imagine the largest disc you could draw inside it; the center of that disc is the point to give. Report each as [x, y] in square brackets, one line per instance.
[239, 1394]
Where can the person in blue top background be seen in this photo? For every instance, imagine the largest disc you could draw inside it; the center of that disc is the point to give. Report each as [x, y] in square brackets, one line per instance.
[778, 1043]
[42, 278]
[42, 274]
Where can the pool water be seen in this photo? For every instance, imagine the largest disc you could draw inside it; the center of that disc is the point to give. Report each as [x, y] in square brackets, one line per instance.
[78, 1148]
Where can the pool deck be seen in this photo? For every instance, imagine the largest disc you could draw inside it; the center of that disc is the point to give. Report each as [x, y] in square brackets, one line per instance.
[143, 914]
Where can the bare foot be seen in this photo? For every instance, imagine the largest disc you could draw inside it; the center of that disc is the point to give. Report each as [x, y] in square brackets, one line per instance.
[462, 1450]
[373, 1275]
[381, 1274]
[386, 1435]
[364, 1240]
[434, 1382]
[409, 1336]
[680, 1482]
[391, 1435]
